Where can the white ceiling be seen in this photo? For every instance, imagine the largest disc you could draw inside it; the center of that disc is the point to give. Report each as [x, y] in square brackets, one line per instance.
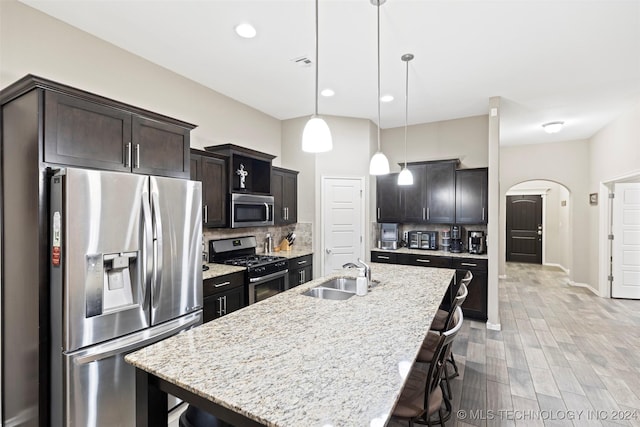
[571, 60]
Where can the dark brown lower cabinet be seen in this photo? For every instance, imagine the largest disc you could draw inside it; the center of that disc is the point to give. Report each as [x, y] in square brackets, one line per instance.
[300, 270]
[475, 306]
[223, 295]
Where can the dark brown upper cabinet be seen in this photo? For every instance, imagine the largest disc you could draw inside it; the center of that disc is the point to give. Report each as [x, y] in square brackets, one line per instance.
[388, 198]
[471, 196]
[211, 170]
[284, 188]
[254, 165]
[85, 130]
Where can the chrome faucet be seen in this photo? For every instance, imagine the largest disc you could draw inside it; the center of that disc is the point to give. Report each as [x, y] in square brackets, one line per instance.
[364, 266]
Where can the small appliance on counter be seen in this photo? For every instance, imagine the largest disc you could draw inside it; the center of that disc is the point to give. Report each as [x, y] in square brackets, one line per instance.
[477, 242]
[456, 239]
[388, 236]
[423, 240]
[446, 240]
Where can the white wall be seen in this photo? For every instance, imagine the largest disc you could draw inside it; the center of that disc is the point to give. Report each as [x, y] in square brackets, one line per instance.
[565, 163]
[614, 153]
[34, 43]
[464, 139]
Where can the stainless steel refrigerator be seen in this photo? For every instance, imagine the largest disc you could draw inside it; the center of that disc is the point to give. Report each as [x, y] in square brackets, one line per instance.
[126, 271]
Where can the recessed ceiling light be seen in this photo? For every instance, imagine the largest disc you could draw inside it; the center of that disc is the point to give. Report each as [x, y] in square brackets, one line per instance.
[386, 98]
[327, 92]
[246, 31]
[553, 127]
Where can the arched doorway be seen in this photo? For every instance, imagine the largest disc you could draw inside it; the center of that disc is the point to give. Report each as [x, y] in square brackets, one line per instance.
[548, 231]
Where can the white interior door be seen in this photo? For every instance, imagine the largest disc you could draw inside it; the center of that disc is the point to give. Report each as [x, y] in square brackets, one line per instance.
[626, 241]
[342, 222]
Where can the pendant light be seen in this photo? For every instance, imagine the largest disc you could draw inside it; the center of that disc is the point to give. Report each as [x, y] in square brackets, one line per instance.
[379, 164]
[405, 177]
[316, 136]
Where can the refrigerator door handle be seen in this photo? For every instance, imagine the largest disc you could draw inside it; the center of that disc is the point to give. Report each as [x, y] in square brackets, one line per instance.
[147, 245]
[158, 252]
[135, 341]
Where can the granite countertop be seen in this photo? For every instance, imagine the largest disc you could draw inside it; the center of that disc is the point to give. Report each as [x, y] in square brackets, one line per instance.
[217, 270]
[295, 360]
[432, 253]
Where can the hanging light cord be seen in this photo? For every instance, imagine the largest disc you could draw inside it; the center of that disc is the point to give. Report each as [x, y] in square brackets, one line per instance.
[378, 100]
[406, 114]
[316, 94]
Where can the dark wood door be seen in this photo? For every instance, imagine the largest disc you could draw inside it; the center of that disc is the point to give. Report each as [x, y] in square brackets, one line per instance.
[277, 188]
[214, 191]
[388, 198]
[160, 148]
[412, 197]
[471, 196]
[441, 192]
[86, 134]
[524, 229]
[290, 186]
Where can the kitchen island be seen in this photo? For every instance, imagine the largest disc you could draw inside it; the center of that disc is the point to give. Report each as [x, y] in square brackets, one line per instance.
[296, 360]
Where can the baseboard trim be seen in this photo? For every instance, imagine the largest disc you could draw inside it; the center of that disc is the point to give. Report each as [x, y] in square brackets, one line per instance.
[494, 326]
[560, 266]
[584, 285]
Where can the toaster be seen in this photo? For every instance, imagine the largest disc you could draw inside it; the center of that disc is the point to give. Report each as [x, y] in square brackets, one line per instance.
[423, 240]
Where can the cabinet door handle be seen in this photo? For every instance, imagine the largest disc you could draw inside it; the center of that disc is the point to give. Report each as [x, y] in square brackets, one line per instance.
[302, 262]
[378, 213]
[206, 214]
[300, 277]
[127, 155]
[137, 159]
[468, 264]
[423, 260]
[219, 285]
[423, 213]
[219, 306]
[382, 257]
[427, 214]
[483, 214]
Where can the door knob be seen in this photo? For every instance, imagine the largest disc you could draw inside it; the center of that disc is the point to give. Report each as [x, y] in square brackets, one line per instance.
[328, 251]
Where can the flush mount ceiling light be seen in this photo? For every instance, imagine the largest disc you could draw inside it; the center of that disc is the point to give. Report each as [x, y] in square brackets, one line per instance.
[406, 177]
[553, 127]
[386, 98]
[316, 136]
[327, 92]
[246, 31]
[379, 164]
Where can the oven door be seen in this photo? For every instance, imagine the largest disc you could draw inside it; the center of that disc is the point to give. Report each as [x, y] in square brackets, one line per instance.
[261, 288]
[249, 210]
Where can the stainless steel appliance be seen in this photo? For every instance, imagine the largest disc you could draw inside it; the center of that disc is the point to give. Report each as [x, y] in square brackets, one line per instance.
[423, 240]
[267, 275]
[388, 236]
[251, 210]
[477, 242]
[446, 240]
[125, 272]
[456, 239]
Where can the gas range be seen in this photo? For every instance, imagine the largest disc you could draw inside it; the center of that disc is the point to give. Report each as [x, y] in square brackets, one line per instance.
[267, 275]
[241, 251]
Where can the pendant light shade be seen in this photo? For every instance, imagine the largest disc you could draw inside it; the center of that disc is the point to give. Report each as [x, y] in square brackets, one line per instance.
[316, 136]
[406, 177]
[379, 164]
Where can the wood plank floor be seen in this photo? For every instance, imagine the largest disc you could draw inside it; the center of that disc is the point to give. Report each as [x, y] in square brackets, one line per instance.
[563, 357]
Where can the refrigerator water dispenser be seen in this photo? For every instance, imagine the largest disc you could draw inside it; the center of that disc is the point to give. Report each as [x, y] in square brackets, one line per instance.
[118, 292]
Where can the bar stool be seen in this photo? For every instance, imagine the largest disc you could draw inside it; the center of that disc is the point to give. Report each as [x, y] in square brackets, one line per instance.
[441, 318]
[422, 397]
[196, 417]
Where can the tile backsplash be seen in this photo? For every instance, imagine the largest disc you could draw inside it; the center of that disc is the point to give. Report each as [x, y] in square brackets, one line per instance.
[303, 231]
[375, 230]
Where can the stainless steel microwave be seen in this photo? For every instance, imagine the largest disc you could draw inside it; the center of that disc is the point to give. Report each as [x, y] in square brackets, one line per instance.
[251, 210]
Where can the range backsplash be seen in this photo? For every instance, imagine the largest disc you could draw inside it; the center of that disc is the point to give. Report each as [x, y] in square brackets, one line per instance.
[303, 231]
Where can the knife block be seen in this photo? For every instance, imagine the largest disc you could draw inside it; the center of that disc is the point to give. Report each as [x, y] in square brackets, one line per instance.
[283, 246]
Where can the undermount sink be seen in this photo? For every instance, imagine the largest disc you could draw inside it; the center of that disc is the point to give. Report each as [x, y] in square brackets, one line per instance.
[328, 293]
[339, 288]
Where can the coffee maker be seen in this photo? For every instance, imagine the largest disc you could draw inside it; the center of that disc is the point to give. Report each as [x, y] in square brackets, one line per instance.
[456, 239]
[388, 236]
[477, 242]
